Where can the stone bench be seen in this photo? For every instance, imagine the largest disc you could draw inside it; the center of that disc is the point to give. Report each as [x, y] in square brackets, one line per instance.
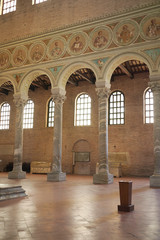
[41, 167]
[115, 168]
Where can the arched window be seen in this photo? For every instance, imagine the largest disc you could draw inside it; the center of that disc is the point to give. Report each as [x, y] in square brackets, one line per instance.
[149, 107]
[28, 114]
[83, 110]
[38, 1]
[50, 118]
[4, 116]
[116, 108]
[8, 6]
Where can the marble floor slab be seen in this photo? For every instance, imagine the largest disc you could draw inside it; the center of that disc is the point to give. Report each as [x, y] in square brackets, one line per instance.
[76, 209]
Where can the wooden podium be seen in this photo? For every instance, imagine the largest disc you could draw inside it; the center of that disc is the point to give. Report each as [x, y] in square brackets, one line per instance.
[125, 190]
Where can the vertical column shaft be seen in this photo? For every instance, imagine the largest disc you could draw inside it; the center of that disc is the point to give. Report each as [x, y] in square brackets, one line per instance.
[57, 139]
[103, 175]
[103, 129]
[56, 173]
[18, 147]
[155, 178]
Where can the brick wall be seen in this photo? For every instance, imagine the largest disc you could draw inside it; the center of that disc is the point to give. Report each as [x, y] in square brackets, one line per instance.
[31, 19]
[134, 137]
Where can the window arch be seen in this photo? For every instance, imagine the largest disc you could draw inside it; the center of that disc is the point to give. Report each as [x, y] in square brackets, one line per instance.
[116, 108]
[28, 114]
[50, 117]
[38, 1]
[8, 6]
[83, 110]
[149, 106]
[4, 116]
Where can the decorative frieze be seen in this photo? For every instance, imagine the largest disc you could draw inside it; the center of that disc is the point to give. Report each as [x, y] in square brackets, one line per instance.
[98, 38]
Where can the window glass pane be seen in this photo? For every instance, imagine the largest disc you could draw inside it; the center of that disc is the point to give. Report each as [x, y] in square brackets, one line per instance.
[50, 120]
[8, 6]
[28, 114]
[149, 107]
[83, 110]
[116, 106]
[4, 116]
[38, 1]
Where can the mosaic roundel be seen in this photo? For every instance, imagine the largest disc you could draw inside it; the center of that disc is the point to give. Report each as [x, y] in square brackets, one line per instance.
[4, 59]
[19, 56]
[77, 43]
[126, 32]
[150, 26]
[100, 38]
[37, 51]
[56, 48]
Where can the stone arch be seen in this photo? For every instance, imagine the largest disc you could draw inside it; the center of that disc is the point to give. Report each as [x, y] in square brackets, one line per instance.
[158, 64]
[71, 68]
[81, 157]
[9, 79]
[82, 145]
[30, 76]
[117, 60]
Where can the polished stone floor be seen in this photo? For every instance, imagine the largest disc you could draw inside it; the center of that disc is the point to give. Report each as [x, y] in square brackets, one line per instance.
[78, 210]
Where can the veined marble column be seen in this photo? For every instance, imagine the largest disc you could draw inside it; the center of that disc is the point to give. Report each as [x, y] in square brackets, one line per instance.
[103, 176]
[155, 178]
[17, 172]
[56, 175]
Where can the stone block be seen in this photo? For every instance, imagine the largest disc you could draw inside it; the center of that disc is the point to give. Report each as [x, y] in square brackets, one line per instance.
[8, 191]
[17, 175]
[56, 177]
[102, 178]
[155, 181]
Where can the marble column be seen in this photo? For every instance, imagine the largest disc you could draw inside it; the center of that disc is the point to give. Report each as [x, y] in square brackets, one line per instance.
[17, 172]
[155, 178]
[103, 176]
[56, 174]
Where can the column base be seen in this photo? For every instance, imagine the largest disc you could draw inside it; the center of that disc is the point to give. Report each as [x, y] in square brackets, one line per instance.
[155, 181]
[16, 175]
[128, 208]
[105, 178]
[56, 177]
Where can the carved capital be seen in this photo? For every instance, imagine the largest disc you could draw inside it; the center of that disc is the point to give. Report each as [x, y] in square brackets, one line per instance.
[155, 86]
[103, 92]
[59, 98]
[19, 102]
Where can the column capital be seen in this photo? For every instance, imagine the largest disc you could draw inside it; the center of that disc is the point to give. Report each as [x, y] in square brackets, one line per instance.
[155, 86]
[58, 95]
[59, 98]
[103, 92]
[19, 100]
[154, 77]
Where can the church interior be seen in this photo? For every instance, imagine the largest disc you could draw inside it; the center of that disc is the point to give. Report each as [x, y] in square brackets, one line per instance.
[79, 113]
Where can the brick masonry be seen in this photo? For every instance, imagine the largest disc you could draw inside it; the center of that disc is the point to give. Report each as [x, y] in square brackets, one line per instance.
[31, 19]
[133, 138]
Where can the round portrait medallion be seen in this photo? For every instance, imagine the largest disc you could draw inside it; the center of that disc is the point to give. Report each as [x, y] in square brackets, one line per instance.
[150, 26]
[77, 43]
[56, 47]
[37, 52]
[100, 38]
[4, 59]
[126, 32]
[19, 56]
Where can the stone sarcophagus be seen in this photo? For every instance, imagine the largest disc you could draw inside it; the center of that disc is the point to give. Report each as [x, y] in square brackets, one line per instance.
[41, 167]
